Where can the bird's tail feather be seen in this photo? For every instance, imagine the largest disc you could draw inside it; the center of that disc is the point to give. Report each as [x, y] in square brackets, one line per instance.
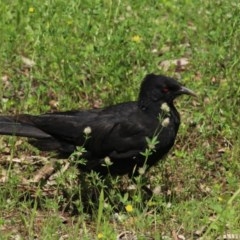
[20, 126]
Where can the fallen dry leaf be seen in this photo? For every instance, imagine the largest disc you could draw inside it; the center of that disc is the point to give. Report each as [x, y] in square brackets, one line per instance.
[28, 62]
[179, 64]
[44, 172]
[229, 236]
[127, 235]
[53, 104]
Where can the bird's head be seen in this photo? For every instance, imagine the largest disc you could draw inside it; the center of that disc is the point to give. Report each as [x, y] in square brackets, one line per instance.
[159, 88]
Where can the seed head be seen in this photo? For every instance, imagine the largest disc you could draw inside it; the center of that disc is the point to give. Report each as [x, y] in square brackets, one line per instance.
[142, 170]
[87, 130]
[165, 122]
[107, 161]
[165, 107]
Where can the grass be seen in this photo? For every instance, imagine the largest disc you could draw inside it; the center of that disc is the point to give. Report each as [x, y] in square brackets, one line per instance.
[58, 55]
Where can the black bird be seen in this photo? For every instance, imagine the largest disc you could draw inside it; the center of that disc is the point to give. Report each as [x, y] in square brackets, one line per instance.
[119, 133]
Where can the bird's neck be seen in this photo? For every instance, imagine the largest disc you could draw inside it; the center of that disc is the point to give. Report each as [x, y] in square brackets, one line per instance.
[150, 107]
[154, 108]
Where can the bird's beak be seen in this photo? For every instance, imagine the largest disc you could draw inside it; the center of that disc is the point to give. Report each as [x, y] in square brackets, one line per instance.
[184, 90]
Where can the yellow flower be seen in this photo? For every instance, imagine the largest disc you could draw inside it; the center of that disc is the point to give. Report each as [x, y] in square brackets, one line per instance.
[129, 208]
[136, 38]
[220, 199]
[70, 22]
[100, 235]
[31, 9]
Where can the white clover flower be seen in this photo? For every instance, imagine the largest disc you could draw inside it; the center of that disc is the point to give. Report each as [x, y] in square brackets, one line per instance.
[141, 170]
[165, 122]
[87, 130]
[107, 161]
[165, 107]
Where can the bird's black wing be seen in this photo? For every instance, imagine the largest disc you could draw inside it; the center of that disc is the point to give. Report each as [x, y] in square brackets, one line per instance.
[115, 132]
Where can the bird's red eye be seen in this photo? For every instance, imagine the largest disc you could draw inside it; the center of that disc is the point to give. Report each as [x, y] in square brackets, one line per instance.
[165, 89]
